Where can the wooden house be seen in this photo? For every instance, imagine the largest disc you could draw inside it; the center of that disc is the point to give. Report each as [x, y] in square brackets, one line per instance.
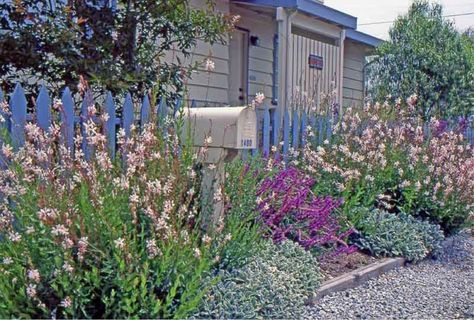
[283, 48]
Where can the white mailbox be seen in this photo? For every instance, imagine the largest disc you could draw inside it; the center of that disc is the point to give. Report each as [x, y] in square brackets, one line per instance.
[229, 127]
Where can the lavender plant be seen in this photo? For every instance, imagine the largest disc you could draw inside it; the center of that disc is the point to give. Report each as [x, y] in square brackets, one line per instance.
[290, 210]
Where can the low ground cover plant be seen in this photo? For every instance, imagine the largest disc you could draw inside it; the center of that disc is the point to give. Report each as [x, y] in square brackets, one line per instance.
[385, 234]
[274, 285]
[86, 235]
[379, 149]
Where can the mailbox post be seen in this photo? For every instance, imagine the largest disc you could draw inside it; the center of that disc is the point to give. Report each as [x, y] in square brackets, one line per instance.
[224, 131]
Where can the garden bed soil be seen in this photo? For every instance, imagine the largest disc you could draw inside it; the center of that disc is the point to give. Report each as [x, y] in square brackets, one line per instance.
[335, 265]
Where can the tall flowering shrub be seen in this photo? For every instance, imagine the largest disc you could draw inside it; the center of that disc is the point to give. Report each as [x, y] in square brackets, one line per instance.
[103, 237]
[382, 147]
[290, 210]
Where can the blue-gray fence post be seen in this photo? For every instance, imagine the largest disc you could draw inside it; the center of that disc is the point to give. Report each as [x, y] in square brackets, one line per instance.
[145, 111]
[295, 131]
[259, 133]
[43, 109]
[84, 119]
[303, 128]
[286, 133]
[266, 131]
[110, 124]
[127, 115]
[276, 127]
[67, 119]
[18, 118]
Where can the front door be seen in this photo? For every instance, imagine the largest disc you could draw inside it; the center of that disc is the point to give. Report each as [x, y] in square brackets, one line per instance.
[238, 67]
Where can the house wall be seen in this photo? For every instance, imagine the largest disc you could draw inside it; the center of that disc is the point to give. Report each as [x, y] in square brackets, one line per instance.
[353, 74]
[212, 89]
[314, 82]
[207, 88]
[263, 26]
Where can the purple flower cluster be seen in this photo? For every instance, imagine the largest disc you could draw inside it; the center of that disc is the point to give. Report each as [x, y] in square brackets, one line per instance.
[291, 211]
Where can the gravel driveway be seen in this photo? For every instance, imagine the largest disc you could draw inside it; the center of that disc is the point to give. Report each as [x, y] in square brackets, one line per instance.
[432, 289]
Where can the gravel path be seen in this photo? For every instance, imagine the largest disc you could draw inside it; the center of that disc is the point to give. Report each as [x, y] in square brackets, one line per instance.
[432, 289]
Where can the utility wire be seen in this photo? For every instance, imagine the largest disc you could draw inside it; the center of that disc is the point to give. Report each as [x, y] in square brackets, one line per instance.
[446, 16]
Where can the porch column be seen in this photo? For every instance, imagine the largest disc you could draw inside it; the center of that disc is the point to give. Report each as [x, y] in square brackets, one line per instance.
[342, 39]
[284, 55]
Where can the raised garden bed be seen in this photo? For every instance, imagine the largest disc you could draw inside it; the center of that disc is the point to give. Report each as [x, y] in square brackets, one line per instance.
[333, 266]
[357, 277]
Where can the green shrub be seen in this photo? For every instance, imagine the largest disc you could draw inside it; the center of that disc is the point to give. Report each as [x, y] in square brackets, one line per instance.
[426, 55]
[386, 234]
[241, 182]
[104, 238]
[383, 151]
[274, 286]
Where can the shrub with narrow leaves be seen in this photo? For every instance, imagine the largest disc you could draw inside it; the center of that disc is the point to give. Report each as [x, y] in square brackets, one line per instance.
[275, 285]
[379, 148]
[398, 235]
[100, 237]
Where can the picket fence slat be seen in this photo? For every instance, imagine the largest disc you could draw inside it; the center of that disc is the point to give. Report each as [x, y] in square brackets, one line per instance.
[145, 111]
[303, 128]
[266, 131]
[43, 109]
[110, 124]
[127, 114]
[295, 131]
[84, 121]
[18, 118]
[276, 127]
[286, 133]
[67, 119]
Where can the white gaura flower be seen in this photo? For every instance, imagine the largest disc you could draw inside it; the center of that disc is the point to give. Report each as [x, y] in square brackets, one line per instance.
[119, 243]
[259, 97]
[210, 65]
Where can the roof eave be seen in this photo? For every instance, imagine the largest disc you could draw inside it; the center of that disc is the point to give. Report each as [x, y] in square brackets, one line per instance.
[363, 38]
[310, 7]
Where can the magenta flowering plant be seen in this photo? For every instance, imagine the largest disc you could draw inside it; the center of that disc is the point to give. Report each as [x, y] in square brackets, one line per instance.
[290, 210]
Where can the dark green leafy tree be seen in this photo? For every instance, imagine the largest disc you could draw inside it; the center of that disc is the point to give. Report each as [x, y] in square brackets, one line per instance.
[115, 45]
[427, 56]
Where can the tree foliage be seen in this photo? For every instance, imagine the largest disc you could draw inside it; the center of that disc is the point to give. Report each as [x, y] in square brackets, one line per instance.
[113, 45]
[427, 56]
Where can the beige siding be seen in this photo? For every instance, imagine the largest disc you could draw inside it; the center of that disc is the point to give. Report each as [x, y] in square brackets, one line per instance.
[263, 26]
[204, 87]
[312, 81]
[353, 86]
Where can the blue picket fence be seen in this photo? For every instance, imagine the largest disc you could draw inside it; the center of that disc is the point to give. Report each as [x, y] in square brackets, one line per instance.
[291, 131]
[285, 133]
[15, 121]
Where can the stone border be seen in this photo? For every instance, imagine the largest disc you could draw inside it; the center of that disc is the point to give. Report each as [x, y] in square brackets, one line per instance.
[357, 277]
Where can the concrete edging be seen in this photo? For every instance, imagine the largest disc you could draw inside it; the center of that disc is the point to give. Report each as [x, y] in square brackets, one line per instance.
[357, 277]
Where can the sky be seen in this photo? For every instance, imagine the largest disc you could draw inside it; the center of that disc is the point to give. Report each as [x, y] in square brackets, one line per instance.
[369, 11]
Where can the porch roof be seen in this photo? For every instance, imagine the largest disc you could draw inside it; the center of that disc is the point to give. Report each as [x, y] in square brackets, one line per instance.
[323, 12]
[363, 37]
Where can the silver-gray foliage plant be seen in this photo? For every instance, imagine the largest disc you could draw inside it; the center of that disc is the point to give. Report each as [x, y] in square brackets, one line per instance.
[388, 234]
[276, 284]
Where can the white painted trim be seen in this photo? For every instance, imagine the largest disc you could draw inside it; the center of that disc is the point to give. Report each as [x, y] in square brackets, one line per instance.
[313, 25]
[341, 66]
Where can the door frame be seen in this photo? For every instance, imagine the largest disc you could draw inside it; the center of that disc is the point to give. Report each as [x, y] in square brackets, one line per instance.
[246, 52]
